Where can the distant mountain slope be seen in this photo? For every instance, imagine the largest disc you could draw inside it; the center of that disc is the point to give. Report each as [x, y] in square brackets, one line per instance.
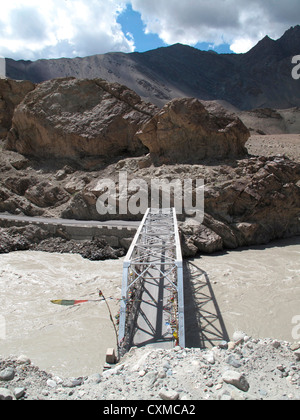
[258, 79]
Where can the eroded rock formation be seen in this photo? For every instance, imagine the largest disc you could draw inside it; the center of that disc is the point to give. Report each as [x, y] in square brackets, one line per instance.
[185, 131]
[72, 118]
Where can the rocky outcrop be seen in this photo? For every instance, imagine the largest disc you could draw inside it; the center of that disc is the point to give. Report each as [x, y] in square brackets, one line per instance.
[45, 194]
[20, 239]
[12, 92]
[253, 201]
[261, 205]
[37, 239]
[76, 119]
[184, 131]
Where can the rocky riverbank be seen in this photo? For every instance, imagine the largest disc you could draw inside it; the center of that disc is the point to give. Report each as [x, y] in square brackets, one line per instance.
[242, 369]
[36, 239]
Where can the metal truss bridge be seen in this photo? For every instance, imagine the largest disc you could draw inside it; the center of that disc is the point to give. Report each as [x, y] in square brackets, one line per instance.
[152, 305]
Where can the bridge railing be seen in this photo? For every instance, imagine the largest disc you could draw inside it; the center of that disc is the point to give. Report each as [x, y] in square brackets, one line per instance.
[158, 230]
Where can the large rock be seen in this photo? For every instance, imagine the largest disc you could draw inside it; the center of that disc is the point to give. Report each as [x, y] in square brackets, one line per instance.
[12, 92]
[196, 237]
[185, 131]
[257, 208]
[262, 206]
[72, 118]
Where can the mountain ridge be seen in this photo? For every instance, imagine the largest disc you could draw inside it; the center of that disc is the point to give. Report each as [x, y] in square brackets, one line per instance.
[259, 78]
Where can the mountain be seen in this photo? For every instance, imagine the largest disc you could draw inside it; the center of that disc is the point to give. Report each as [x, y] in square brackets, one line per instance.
[261, 78]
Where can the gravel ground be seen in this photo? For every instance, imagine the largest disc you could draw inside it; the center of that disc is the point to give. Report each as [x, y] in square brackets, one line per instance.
[243, 369]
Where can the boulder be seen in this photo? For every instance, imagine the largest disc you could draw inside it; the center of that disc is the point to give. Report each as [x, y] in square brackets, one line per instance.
[262, 206]
[199, 238]
[73, 118]
[185, 131]
[7, 374]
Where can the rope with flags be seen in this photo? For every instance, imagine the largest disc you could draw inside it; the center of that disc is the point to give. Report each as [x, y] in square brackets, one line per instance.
[64, 302]
[167, 307]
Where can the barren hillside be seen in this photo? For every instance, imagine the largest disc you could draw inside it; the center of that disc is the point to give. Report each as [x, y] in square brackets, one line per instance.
[258, 79]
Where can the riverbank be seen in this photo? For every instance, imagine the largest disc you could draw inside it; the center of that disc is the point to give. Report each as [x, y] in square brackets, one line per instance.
[34, 238]
[243, 369]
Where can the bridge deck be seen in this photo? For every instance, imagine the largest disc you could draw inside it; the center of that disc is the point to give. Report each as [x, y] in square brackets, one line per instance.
[152, 324]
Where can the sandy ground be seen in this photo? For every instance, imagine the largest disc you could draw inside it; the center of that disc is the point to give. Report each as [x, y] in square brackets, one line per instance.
[270, 145]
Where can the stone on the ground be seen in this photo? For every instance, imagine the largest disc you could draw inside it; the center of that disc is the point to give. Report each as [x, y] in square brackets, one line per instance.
[168, 395]
[19, 393]
[7, 374]
[111, 356]
[236, 379]
[5, 394]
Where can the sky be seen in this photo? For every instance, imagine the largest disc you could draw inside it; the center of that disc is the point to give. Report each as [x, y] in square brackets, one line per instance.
[35, 29]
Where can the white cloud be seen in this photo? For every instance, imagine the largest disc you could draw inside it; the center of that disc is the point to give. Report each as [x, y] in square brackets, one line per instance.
[242, 45]
[241, 24]
[32, 29]
[56, 28]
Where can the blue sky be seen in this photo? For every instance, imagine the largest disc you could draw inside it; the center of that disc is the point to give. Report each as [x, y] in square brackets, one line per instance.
[35, 29]
[131, 22]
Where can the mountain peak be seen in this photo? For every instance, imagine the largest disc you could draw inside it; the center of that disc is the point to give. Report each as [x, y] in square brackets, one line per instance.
[290, 40]
[264, 47]
[293, 31]
[287, 45]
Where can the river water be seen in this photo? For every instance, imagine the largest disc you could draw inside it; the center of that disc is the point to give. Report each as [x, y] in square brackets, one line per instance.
[256, 290]
[68, 341]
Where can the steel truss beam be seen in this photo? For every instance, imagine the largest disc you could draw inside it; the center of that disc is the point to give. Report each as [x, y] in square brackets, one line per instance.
[155, 255]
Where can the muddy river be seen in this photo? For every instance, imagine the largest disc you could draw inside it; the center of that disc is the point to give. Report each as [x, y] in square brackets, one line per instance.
[256, 290]
[68, 341]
